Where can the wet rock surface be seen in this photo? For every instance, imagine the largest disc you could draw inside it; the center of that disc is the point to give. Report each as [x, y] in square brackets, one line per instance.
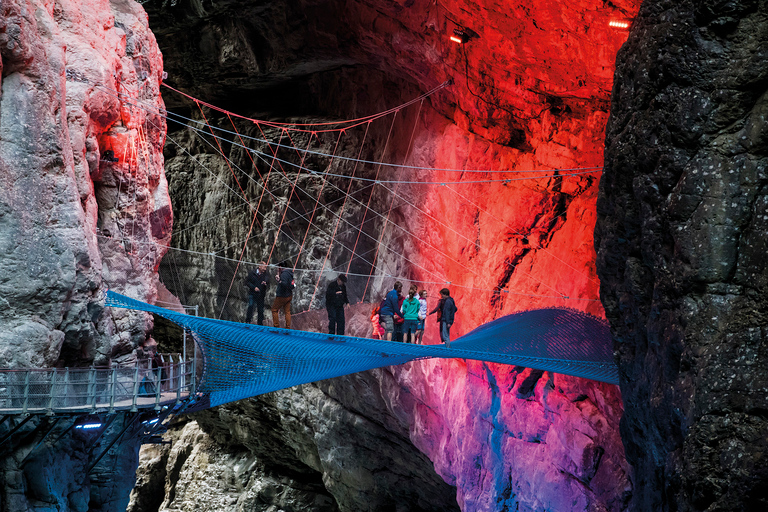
[681, 241]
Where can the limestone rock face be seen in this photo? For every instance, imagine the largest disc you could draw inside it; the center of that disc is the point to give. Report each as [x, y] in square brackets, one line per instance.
[63, 124]
[681, 240]
[84, 207]
[204, 475]
[505, 437]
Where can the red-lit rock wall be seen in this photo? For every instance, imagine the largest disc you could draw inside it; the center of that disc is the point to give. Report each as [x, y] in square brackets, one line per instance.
[508, 436]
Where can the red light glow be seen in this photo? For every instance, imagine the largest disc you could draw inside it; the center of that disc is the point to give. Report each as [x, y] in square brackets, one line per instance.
[456, 39]
[618, 24]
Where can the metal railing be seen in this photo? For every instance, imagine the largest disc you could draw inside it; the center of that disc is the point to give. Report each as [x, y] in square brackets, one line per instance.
[140, 385]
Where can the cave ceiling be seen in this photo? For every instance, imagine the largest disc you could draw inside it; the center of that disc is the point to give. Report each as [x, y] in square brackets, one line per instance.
[520, 57]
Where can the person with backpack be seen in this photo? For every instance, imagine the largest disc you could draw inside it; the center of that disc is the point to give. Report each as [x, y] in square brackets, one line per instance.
[390, 308]
[284, 295]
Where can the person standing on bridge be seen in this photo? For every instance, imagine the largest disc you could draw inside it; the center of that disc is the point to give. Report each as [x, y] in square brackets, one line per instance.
[284, 295]
[335, 300]
[422, 316]
[257, 283]
[410, 309]
[391, 307]
[446, 310]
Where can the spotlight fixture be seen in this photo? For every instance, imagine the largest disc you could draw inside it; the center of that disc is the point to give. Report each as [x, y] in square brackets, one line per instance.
[459, 36]
[618, 24]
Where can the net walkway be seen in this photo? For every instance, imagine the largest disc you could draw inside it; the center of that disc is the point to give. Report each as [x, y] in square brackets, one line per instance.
[243, 360]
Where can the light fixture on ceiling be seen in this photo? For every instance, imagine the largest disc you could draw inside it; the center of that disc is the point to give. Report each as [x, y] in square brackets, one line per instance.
[459, 36]
[618, 23]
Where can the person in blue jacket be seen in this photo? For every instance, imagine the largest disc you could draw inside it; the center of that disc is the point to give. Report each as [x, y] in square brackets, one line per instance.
[446, 312]
[391, 307]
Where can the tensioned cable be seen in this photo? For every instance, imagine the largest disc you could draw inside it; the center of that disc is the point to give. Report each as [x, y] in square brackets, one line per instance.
[353, 122]
[165, 113]
[412, 205]
[379, 241]
[237, 195]
[370, 198]
[388, 164]
[330, 203]
[219, 179]
[388, 276]
[384, 229]
[387, 247]
[425, 269]
[288, 201]
[405, 182]
[208, 219]
[338, 219]
[380, 182]
[222, 150]
[317, 201]
[408, 232]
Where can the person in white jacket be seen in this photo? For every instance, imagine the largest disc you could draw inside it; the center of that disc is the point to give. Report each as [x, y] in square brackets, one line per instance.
[422, 316]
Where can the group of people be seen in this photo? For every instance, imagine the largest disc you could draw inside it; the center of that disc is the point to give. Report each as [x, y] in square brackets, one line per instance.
[397, 317]
[402, 318]
[257, 284]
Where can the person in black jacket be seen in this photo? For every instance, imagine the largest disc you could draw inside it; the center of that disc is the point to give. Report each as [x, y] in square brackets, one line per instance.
[284, 295]
[257, 283]
[335, 299]
[446, 310]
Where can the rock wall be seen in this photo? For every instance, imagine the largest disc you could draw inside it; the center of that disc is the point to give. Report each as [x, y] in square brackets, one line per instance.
[75, 218]
[681, 239]
[504, 437]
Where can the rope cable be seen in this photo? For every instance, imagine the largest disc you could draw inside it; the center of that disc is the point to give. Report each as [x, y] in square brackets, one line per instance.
[222, 151]
[338, 219]
[165, 113]
[541, 247]
[387, 221]
[288, 201]
[333, 156]
[357, 122]
[317, 202]
[232, 190]
[384, 229]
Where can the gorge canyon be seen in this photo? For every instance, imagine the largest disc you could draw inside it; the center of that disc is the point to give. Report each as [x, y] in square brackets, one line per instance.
[553, 157]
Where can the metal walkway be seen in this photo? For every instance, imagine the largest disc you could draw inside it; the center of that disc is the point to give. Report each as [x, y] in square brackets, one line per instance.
[93, 390]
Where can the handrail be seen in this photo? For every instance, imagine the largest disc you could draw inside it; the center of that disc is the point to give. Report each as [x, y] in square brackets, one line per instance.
[141, 384]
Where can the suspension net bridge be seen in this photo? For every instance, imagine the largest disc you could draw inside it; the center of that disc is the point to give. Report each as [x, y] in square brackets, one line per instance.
[244, 360]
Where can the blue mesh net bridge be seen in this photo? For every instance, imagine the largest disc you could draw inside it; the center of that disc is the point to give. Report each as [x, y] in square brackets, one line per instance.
[243, 360]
